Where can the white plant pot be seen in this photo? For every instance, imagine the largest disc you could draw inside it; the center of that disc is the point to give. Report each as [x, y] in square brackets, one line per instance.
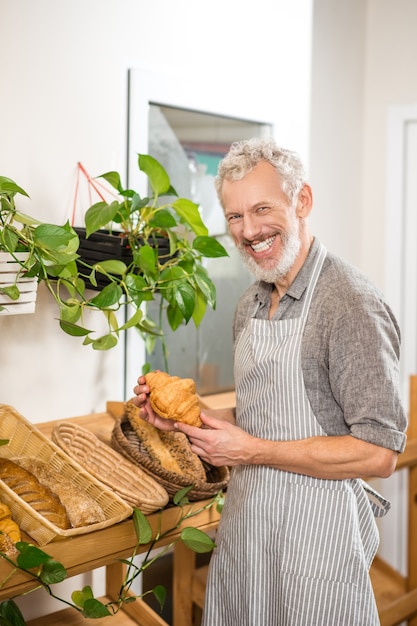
[28, 287]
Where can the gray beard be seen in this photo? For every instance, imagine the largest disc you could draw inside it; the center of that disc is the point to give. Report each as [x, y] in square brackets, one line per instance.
[291, 247]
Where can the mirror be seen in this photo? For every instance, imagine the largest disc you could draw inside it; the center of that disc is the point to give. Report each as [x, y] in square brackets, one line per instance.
[190, 140]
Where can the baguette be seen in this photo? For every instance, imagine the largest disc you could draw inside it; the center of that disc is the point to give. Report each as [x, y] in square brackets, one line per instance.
[40, 498]
[81, 509]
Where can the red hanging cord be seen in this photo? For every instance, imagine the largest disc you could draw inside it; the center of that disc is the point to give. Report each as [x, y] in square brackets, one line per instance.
[92, 185]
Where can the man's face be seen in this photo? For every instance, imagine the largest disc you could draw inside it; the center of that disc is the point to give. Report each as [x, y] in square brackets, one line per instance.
[262, 222]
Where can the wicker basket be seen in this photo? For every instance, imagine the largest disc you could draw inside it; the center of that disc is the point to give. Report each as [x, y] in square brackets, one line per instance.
[126, 441]
[123, 477]
[25, 440]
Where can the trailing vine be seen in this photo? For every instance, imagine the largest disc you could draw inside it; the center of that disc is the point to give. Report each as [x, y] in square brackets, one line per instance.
[46, 571]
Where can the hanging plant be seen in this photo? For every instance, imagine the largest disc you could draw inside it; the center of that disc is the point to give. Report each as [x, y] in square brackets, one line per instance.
[166, 243]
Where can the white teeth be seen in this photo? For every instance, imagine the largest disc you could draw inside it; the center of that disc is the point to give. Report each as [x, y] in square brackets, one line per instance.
[263, 245]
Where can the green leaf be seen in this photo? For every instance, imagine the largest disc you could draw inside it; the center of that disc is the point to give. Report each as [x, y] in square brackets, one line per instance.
[220, 502]
[209, 247]
[174, 316]
[133, 321]
[150, 328]
[111, 266]
[184, 296]
[189, 213]
[53, 572]
[138, 289]
[180, 497]
[30, 556]
[146, 260]
[4, 442]
[93, 608]
[113, 178]
[163, 219]
[197, 540]
[10, 614]
[8, 186]
[109, 295]
[80, 597]
[104, 343]
[70, 312]
[100, 215]
[10, 238]
[170, 275]
[73, 329]
[160, 594]
[206, 285]
[142, 527]
[12, 292]
[157, 176]
[56, 238]
[200, 309]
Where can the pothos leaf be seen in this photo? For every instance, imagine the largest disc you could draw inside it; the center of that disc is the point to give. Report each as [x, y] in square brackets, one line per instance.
[93, 608]
[160, 594]
[142, 527]
[30, 556]
[53, 572]
[157, 176]
[209, 247]
[104, 343]
[10, 614]
[197, 540]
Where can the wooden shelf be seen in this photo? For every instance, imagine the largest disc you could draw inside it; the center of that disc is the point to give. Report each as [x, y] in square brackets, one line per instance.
[83, 553]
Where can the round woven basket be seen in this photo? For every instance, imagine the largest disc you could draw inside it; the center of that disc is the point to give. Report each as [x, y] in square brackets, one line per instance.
[125, 440]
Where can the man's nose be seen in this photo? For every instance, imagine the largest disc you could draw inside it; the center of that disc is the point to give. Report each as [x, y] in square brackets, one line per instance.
[250, 227]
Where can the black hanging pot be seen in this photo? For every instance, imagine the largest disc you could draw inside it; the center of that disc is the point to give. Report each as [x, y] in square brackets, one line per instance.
[103, 246]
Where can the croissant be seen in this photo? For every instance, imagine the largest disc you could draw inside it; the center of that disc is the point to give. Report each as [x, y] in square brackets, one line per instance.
[174, 398]
[11, 529]
[5, 512]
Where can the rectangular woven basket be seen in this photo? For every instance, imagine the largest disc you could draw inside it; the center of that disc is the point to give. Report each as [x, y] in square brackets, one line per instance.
[25, 440]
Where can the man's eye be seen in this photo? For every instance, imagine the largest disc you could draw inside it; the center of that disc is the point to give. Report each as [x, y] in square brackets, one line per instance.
[261, 209]
[234, 218]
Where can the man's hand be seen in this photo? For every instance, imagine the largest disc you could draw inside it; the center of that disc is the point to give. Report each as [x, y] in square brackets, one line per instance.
[218, 442]
[146, 412]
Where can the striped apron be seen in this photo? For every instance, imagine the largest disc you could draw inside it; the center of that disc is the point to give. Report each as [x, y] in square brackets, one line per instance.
[291, 550]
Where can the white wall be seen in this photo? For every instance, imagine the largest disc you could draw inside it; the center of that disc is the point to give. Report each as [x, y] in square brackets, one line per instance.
[63, 93]
[338, 74]
[363, 64]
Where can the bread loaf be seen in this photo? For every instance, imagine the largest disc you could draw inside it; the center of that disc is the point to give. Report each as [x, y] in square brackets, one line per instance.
[174, 398]
[170, 449]
[81, 509]
[40, 498]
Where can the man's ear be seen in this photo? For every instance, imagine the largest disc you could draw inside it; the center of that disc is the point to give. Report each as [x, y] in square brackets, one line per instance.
[305, 201]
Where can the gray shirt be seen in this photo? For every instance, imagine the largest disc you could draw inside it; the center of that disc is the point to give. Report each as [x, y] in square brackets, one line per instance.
[350, 350]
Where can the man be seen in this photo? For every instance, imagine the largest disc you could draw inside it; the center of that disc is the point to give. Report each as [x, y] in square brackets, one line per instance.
[317, 409]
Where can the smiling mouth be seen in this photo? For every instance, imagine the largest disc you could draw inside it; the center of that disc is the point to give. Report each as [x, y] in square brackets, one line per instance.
[263, 245]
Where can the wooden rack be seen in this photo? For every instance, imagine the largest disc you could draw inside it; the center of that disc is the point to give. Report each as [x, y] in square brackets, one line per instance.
[83, 553]
[396, 594]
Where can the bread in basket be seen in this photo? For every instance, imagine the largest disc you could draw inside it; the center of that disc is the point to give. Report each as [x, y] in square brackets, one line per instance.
[174, 468]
